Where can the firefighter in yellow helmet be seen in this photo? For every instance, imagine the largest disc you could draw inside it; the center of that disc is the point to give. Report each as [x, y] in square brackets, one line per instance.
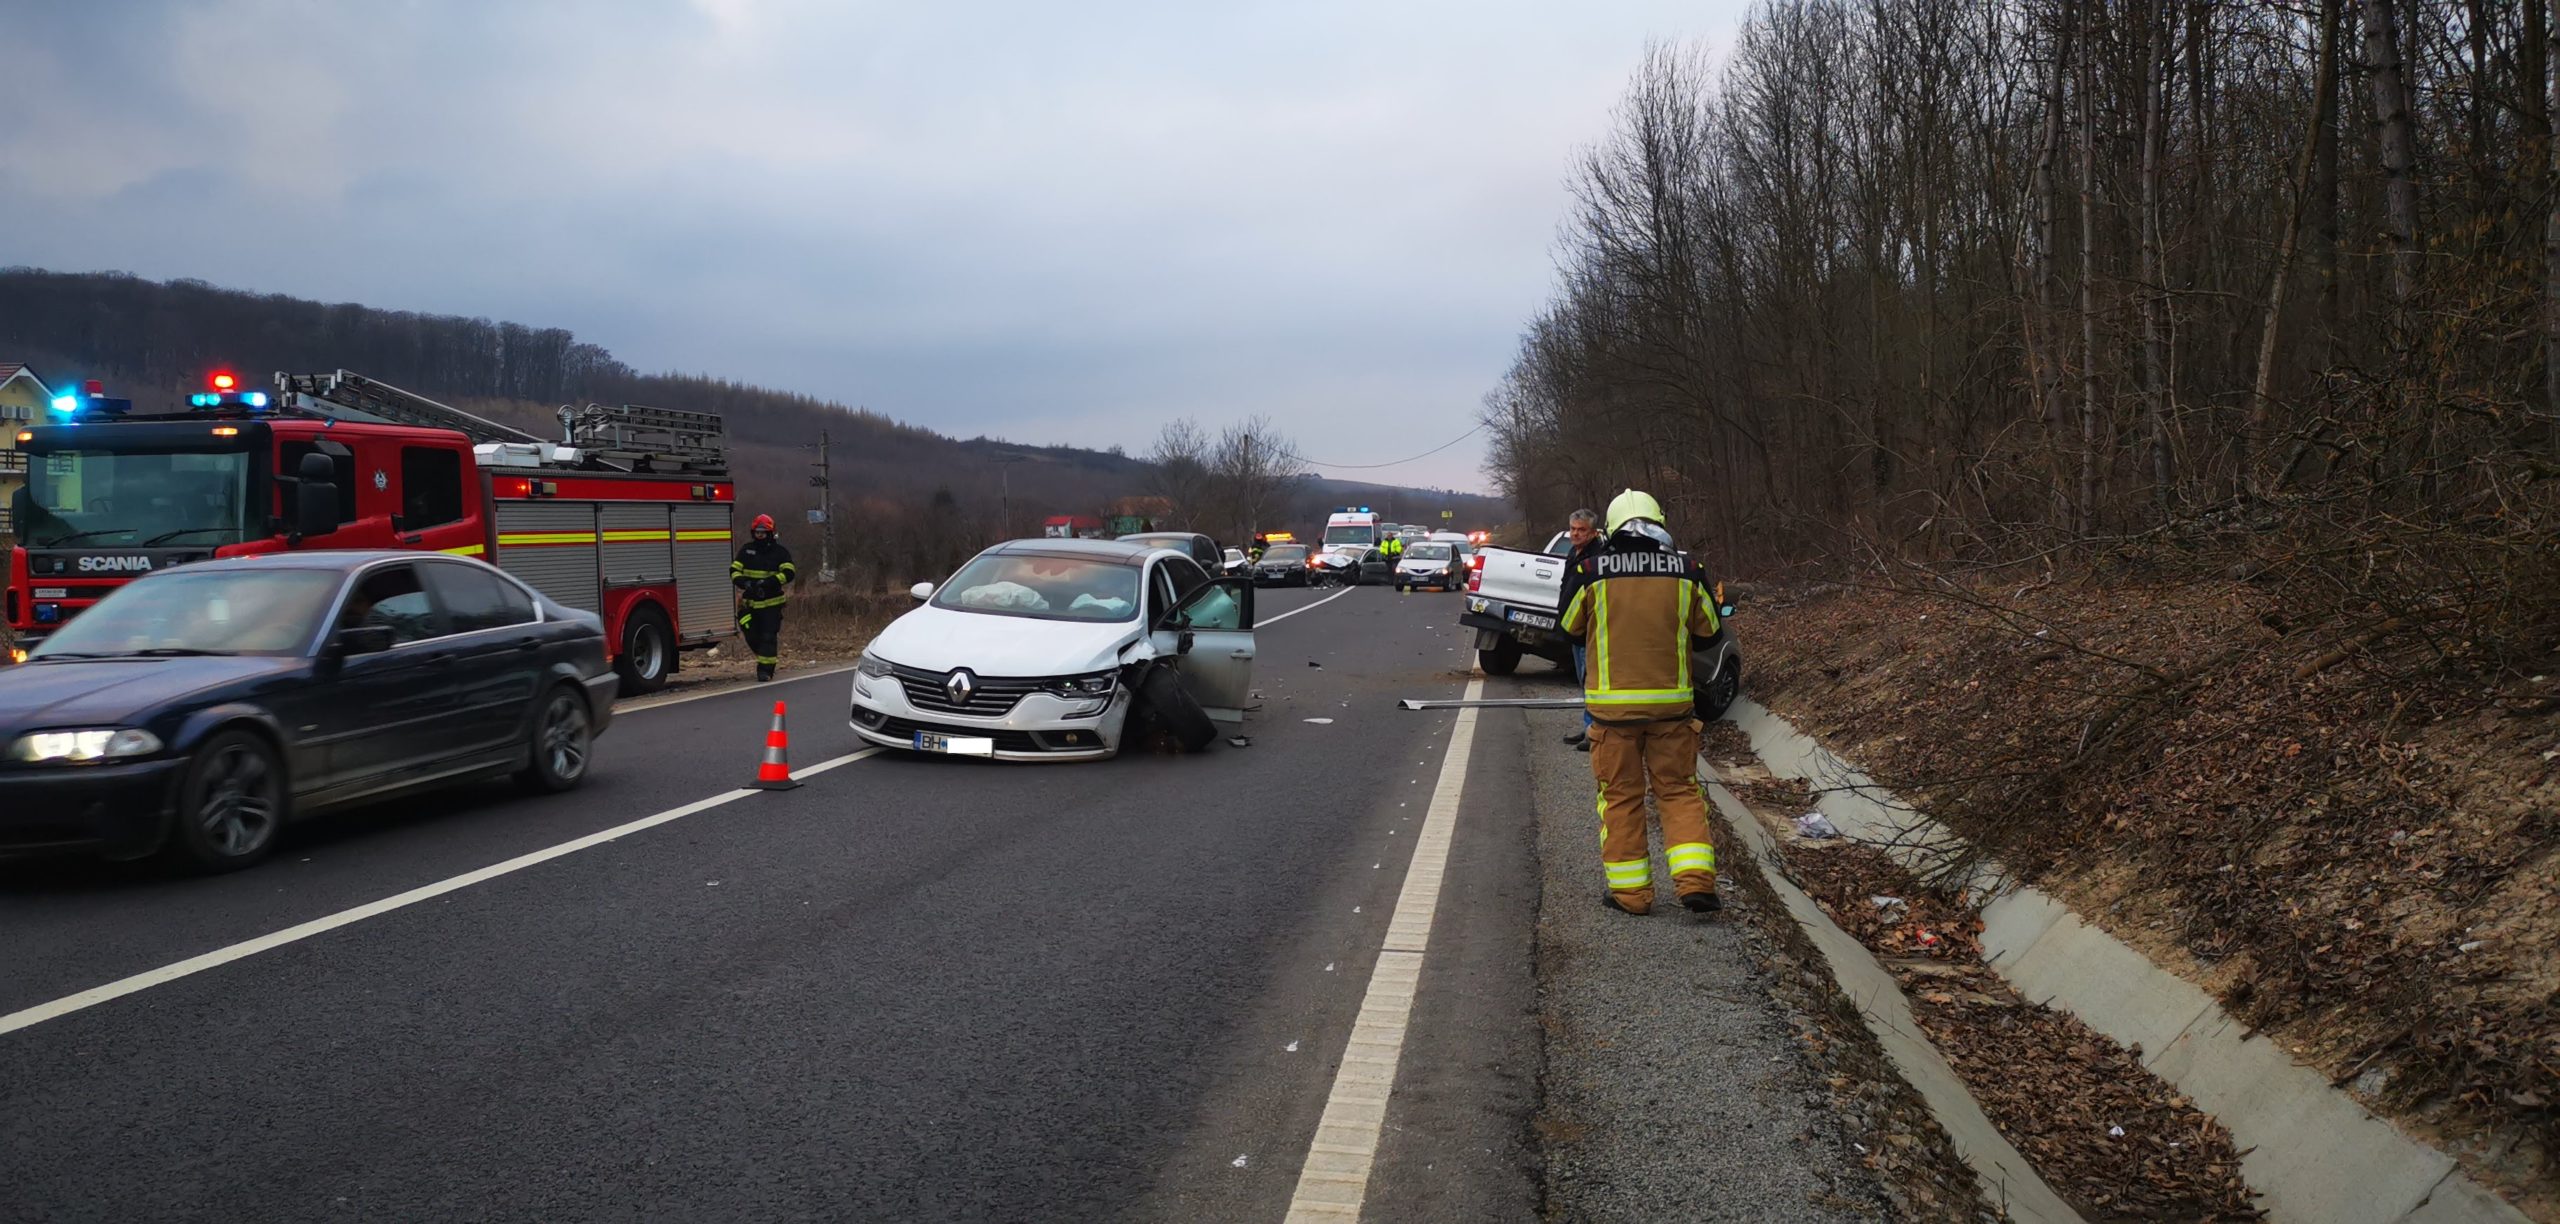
[1639, 606]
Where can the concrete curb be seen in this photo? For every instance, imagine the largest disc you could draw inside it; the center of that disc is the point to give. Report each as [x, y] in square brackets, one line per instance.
[2311, 1152]
[2008, 1180]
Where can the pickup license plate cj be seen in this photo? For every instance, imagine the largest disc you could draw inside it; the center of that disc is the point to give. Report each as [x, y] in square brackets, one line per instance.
[1532, 619]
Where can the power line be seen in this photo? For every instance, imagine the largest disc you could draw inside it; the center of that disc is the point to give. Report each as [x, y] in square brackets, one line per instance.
[1370, 466]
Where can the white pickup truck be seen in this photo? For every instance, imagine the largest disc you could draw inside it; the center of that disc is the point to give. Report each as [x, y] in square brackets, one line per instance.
[1512, 604]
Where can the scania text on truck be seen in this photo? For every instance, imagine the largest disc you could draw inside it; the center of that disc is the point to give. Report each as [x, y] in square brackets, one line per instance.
[628, 519]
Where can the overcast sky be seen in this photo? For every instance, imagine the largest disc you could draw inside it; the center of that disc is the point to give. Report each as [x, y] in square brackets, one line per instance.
[1048, 222]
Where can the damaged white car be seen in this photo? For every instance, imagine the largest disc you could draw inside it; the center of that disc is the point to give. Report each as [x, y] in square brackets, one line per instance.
[1061, 650]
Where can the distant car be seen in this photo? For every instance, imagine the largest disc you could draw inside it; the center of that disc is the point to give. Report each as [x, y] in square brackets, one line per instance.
[1050, 650]
[197, 711]
[1198, 547]
[1437, 564]
[1236, 563]
[1282, 565]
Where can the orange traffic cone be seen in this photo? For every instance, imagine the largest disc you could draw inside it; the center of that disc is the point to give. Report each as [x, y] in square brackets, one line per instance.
[775, 772]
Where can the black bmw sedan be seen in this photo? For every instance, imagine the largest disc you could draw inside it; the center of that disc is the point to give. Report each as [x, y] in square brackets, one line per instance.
[195, 712]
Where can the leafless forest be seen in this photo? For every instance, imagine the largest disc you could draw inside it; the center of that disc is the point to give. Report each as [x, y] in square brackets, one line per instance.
[2262, 288]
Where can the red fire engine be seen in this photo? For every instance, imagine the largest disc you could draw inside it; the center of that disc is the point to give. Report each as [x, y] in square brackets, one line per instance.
[628, 518]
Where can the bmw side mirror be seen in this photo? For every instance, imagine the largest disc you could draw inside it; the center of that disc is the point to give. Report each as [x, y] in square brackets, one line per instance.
[361, 640]
[922, 591]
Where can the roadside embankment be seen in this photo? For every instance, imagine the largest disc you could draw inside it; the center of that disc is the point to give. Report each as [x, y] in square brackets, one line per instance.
[2349, 847]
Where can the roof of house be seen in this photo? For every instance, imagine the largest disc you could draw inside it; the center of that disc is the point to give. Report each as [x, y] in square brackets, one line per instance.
[10, 371]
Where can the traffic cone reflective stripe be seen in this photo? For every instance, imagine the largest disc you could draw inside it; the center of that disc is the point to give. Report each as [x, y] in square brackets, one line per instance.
[775, 772]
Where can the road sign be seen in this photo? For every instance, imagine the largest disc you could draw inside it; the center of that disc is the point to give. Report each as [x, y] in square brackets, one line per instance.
[1448, 514]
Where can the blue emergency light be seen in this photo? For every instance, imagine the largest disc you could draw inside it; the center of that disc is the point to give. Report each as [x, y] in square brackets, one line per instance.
[66, 403]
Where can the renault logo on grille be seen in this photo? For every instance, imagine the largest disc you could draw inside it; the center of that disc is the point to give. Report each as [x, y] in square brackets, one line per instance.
[961, 686]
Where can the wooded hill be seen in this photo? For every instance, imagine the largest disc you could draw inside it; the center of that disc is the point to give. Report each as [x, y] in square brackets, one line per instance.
[910, 501]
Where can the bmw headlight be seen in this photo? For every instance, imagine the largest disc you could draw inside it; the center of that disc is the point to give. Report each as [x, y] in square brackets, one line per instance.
[874, 666]
[80, 747]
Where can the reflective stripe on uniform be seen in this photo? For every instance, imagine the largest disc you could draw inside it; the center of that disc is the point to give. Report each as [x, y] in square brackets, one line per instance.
[1598, 637]
[1690, 856]
[1635, 696]
[775, 602]
[1630, 875]
[738, 569]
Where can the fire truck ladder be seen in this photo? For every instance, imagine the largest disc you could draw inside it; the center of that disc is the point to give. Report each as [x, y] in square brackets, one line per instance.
[650, 439]
[349, 394]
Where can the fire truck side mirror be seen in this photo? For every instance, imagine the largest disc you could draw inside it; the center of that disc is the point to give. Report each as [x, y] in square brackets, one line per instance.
[315, 496]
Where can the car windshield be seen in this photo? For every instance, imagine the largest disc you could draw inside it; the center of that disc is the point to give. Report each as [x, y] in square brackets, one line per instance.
[1427, 552]
[1285, 552]
[133, 499]
[1360, 534]
[1043, 586]
[264, 612]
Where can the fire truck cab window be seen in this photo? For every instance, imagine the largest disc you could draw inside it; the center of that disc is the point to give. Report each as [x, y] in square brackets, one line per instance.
[430, 487]
[289, 462]
[391, 596]
[475, 599]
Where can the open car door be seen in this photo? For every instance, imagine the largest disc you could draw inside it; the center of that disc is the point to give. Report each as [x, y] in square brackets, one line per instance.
[1208, 637]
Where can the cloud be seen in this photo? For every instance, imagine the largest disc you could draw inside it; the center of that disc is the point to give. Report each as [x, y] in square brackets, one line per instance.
[1059, 222]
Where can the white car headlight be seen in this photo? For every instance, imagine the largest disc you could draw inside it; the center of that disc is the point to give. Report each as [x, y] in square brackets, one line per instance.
[874, 666]
[1099, 684]
[101, 744]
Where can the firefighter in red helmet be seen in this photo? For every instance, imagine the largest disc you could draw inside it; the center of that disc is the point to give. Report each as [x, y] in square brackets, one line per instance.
[763, 574]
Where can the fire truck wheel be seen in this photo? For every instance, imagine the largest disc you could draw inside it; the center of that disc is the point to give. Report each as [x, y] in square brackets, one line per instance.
[648, 652]
[564, 736]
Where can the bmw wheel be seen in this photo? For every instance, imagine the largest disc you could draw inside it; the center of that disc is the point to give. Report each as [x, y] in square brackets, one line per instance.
[231, 806]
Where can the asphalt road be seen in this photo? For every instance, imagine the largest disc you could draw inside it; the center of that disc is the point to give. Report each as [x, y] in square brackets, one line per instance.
[933, 989]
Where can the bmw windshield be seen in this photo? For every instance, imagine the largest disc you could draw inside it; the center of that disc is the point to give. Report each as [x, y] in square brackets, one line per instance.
[1045, 587]
[120, 499]
[193, 612]
[1285, 554]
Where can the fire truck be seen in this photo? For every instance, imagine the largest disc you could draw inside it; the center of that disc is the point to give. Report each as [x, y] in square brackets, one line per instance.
[627, 516]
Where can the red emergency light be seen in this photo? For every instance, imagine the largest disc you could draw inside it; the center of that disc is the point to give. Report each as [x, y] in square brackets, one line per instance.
[223, 381]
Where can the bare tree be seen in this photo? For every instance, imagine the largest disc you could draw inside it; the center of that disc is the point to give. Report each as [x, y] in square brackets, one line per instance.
[1182, 457]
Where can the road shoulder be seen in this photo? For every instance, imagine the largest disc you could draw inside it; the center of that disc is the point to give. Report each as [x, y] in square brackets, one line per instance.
[1678, 1084]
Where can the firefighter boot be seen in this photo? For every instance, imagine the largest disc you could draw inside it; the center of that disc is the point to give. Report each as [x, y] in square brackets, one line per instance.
[1626, 858]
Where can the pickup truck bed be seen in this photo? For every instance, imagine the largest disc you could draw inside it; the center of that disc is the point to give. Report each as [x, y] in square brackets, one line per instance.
[1512, 606]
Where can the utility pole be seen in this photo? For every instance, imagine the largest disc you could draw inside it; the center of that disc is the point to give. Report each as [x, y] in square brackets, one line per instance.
[825, 514]
[1004, 470]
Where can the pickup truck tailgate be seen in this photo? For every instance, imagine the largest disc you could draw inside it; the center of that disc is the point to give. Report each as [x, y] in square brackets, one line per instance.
[1522, 579]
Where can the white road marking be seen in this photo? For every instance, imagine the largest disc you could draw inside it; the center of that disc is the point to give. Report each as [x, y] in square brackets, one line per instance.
[273, 940]
[660, 703]
[1259, 623]
[1334, 1181]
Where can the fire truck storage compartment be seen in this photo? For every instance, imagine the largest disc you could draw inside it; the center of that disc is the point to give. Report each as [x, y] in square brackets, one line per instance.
[702, 569]
[562, 567]
[639, 545]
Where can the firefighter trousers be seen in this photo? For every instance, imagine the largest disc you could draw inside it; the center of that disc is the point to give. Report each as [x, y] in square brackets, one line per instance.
[763, 630]
[1626, 757]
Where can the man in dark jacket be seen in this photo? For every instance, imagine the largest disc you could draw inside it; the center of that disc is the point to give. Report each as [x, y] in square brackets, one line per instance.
[1584, 530]
[763, 574]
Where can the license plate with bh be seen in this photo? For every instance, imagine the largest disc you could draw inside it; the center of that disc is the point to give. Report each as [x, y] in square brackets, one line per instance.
[1532, 619]
[956, 745]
